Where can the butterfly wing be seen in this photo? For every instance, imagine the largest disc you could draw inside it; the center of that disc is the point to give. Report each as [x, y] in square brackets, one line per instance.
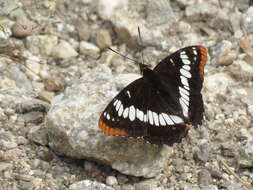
[139, 111]
[182, 73]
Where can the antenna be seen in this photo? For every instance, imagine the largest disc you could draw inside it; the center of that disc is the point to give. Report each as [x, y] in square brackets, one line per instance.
[135, 61]
[139, 32]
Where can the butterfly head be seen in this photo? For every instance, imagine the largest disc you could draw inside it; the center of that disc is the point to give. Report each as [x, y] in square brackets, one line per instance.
[143, 67]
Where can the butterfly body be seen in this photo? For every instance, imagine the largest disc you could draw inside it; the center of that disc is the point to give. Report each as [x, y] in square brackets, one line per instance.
[160, 106]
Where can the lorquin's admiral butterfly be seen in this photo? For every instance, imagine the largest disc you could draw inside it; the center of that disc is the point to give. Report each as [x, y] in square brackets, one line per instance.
[160, 106]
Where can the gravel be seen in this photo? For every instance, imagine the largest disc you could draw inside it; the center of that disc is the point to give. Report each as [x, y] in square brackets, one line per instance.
[57, 76]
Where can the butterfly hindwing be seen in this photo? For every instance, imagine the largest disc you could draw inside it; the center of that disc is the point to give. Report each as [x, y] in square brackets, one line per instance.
[138, 111]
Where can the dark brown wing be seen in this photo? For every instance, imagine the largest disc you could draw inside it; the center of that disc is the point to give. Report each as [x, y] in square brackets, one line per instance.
[182, 73]
[139, 111]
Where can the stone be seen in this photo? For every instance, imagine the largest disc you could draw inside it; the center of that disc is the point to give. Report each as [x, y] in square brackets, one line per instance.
[103, 39]
[89, 49]
[38, 134]
[84, 31]
[227, 59]
[64, 50]
[23, 28]
[89, 185]
[204, 177]
[247, 19]
[111, 180]
[43, 45]
[73, 129]
[217, 83]
[125, 26]
[5, 166]
[200, 11]
[8, 6]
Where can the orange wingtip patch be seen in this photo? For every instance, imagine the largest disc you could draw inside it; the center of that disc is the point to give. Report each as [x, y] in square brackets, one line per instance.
[111, 131]
[203, 60]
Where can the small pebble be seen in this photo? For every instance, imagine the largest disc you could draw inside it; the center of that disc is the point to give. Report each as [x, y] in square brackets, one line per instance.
[111, 180]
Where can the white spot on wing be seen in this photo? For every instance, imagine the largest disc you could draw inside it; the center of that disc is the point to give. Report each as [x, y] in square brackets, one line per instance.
[150, 117]
[104, 113]
[108, 116]
[176, 119]
[115, 102]
[182, 90]
[184, 107]
[131, 113]
[185, 96]
[118, 105]
[183, 56]
[185, 73]
[139, 114]
[186, 61]
[155, 117]
[184, 81]
[195, 52]
[145, 118]
[128, 93]
[125, 113]
[186, 87]
[161, 120]
[186, 67]
[167, 119]
[120, 110]
[185, 101]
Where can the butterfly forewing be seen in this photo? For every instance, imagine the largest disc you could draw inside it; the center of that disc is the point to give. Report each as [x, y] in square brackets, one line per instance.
[182, 73]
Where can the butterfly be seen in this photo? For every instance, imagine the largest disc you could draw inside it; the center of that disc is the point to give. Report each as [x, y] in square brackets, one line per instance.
[164, 103]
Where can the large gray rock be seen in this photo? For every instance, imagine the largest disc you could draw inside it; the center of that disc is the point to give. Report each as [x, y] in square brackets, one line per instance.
[72, 124]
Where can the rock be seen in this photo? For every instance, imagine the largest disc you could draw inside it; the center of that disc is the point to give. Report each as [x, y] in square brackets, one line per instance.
[111, 181]
[200, 11]
[246, 151]
[46, 95]
[6, 83]
[227, 59]
[54, 83]
[209, 187]
[22, 140]
[23, 28]
[84, 31]
[201, 156]
[247, 20]
[31, 117]
[38, 134]
[204, 177]
[64, 51]
[159, 12]
[89, 185]
[217, 83]
[73, 128]
[103, 39]
[125, 26]
[21, 80]
[89, 49]
[43, 45]
[5, 166]
[5, 144]
[8, 6]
